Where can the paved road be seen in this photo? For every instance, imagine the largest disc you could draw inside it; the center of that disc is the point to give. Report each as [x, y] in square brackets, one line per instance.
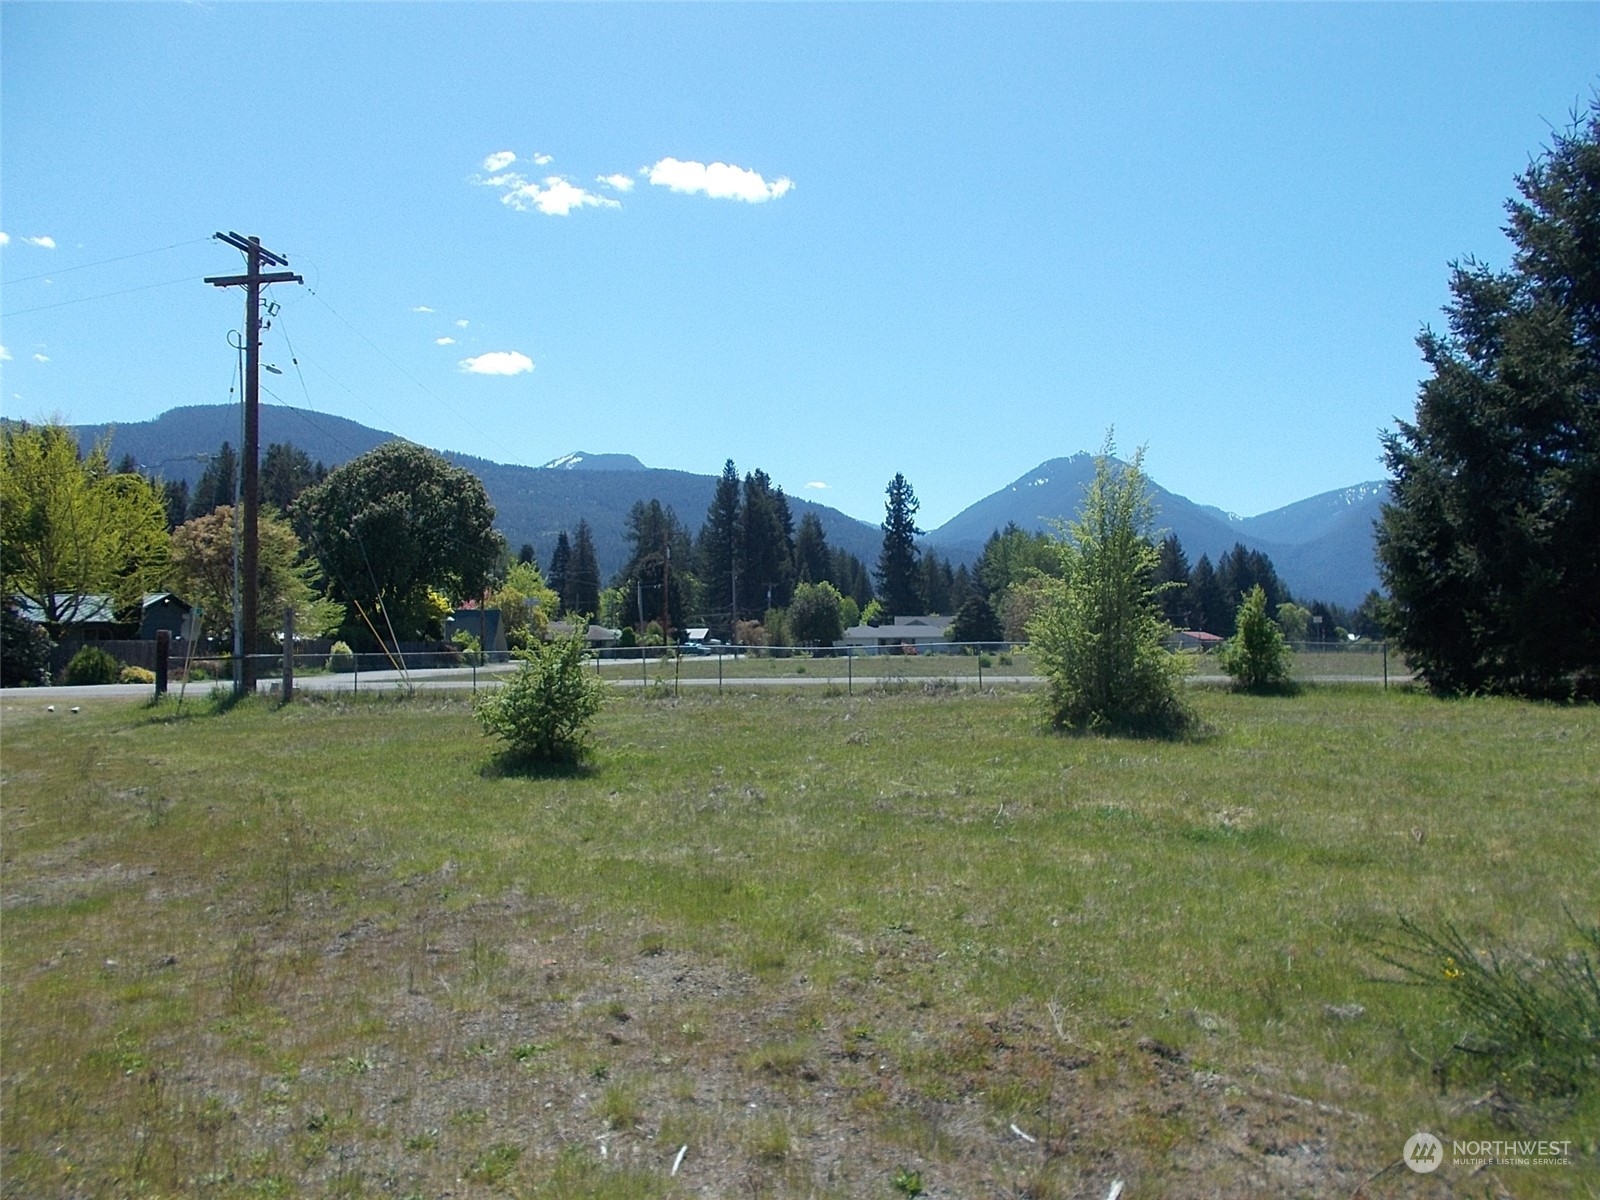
[456, 679]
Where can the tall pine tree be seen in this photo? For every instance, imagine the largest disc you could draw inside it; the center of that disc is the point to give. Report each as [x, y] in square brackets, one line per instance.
[582, 591]
[897, 574]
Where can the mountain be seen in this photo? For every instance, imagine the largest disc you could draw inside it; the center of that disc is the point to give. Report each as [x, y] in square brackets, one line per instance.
[1322, 546]
[532, 504]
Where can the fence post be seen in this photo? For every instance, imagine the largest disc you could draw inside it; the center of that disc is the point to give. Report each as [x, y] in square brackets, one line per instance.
[288, 655]
[1386, 664]
[719, 671]
[163, 650]
[355, 672]
[677, 668]
[980, 668]
[850, 670]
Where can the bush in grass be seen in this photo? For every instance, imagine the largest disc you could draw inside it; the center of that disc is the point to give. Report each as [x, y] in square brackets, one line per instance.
[1532, 1023]
[24, 649]
[136, 675]
[544, 711]
[92, 665]
[341, 657]
[1256, 655]
[1098, 634]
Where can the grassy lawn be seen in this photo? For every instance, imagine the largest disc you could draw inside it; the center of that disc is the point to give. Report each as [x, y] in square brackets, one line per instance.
[834, 946]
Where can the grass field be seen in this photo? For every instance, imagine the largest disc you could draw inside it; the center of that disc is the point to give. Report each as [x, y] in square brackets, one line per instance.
[834, 945]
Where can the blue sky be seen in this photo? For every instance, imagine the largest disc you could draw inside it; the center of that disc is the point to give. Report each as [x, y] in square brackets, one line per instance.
[948, 240]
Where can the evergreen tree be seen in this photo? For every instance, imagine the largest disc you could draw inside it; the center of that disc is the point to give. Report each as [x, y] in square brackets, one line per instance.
[936, 582]
[765, 547]
[897, 574]
[962, 588]
[582, 594]
[1208, 607]
[720, 547]
[1172, 578]
[175, 495]
[560, 560]
[977, 622]
[526, 555]
[1490, 546]
[1012, 554]
[811, 552]
[850, 575]
[286, 471]
[1240, 570]
[660, 558]
[217, 482]
[127, 465]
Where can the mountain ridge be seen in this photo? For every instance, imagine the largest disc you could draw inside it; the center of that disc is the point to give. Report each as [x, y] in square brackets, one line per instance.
[1321, 546]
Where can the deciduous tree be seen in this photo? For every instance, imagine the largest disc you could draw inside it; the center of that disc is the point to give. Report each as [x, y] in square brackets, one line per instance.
[201, 571]
[1100, 637]
[397, 521]
[71, 529]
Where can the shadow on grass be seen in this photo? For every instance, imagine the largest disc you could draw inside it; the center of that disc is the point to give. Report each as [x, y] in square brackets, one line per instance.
[1285, 688]
[506, 765]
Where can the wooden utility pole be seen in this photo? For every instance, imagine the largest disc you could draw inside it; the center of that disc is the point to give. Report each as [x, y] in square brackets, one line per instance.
[244, 675]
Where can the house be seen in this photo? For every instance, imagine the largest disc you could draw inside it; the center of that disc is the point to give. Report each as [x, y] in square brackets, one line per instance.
[916, 632]
[1194, 639]
[598, 636]
[481, 623]
[92, 619]
[163, 610]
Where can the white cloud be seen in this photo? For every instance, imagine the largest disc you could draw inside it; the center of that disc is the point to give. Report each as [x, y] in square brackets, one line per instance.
[720, 181]
[422, 308]
[498, 362]
[41, 358]
[818, 485]
[463, 323]
[5, 238]
[43, 242]
[621, 183]
[446, 341]
[555, 195]
[540, 160]
[499, 160]
[5, 355]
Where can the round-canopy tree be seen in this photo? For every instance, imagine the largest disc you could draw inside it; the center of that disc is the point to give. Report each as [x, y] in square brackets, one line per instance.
[399, 520]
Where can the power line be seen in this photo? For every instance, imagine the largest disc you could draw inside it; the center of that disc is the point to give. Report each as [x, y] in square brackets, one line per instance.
[17, 312]
[105, 261]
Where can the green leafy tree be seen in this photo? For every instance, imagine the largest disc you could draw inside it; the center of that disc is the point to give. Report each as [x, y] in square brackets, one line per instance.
[544, 712]
[396, 522]
[816, 614]
[1294, 620]
[1256, 656]
[201, 571]
[527, 605]
[898, 577]
[1490, 545]
[71, 529]
[1100, 637]
[1010, 555]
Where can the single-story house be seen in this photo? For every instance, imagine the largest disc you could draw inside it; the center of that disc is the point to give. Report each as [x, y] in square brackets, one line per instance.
[163, 610]
[93, 619]
[918, 632]
[598, 636]
[481, 623]
[1195, 639]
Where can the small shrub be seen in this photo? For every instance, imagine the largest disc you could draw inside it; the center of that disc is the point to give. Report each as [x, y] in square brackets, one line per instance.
[1533, 1023]
[341, 657]
[471, 649]
[1256, 656]
[92, 665]
[985, 662]
[24, 650]
[544, 711]
[136, 675]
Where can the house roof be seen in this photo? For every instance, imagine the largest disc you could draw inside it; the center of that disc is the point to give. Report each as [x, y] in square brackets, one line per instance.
[161, 597]
[92, 610]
